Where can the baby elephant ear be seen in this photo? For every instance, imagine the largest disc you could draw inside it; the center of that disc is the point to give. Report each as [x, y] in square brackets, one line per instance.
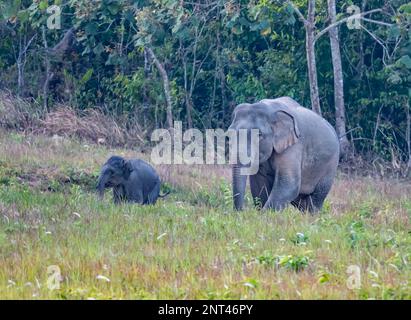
[127, 168]
[286, 132]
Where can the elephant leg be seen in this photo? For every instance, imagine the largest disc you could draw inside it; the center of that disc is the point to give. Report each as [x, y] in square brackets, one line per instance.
[153, 195]
[320, 193]
[287, 182]
[285, 189]
[260, 186]
[139, 197]
[118, 194]
[136, 195]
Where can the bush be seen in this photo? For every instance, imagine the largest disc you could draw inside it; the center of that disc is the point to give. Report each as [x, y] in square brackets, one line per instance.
[91, 125]
[18, 114]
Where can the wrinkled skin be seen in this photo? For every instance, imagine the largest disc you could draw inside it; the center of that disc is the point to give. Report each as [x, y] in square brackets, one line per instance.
[298, 155]
[131, 180]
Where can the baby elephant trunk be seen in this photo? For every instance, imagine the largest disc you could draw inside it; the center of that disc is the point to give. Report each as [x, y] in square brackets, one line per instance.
[101, 184]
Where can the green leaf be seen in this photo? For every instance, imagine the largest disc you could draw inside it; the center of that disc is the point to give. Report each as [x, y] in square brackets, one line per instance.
[406, 61]
[91, 28]
[23, 16]
[394, 32]
[263, 25]
[43, 5]
[405, 8]
[113, 8]
[255, 12]
[87, 76]
[98, 49]
[9, 10]
[243, 21]
[323, 278]
[251, 283]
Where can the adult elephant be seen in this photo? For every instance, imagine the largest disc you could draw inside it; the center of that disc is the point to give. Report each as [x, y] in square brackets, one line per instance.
[298, 155]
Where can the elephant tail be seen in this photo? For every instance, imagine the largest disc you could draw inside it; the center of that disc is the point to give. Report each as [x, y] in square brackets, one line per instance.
[155, 194]
[164, 195]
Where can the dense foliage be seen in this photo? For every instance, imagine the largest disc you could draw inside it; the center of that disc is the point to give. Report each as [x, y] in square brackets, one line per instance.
[216, 54]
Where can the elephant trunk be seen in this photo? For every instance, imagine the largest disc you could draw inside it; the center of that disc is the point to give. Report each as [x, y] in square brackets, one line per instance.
[101, 184]
[239, 184]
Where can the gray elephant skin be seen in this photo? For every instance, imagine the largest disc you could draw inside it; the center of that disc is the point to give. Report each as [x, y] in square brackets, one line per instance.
[298, 155]
[132, 181]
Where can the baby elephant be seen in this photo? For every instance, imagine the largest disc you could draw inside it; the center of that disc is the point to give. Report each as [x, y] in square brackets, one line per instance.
[132, 181]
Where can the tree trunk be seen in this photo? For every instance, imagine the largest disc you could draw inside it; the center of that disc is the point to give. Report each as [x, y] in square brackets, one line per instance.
[145, 91]
[21, 62]
[166, 86]
[340, 124]
[187, 92]
[311, 61]
[222, 80]
[361, 63]
[20, 68]
[49, 74]
[189, 107]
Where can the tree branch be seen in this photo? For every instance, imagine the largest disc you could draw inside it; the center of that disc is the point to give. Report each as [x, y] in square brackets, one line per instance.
[166, 85]
[298, 12]
[378, 22]
[361, 15]
[27, 46]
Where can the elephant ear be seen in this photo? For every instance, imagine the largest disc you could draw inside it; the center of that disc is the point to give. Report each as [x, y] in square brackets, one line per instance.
[286, 132]
[127, 168]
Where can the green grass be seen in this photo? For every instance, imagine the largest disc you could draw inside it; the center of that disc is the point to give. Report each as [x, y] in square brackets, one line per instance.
[192, 244]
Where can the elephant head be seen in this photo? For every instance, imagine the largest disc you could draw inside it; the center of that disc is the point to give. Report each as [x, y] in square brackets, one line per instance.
[277, 131]
[114, 172]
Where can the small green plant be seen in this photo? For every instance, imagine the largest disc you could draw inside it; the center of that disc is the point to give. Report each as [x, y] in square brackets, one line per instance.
[76, 194]
[166, 187]
[365, 210]
[324, 277]
[295, 263]
[300, 239]
[55, 186]
[291, 262]
[326, 207]
[267, 259]
[227, 193]
[251, 283]
[356, 233]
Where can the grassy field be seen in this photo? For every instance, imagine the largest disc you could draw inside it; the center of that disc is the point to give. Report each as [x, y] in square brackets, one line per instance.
[192, 244]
